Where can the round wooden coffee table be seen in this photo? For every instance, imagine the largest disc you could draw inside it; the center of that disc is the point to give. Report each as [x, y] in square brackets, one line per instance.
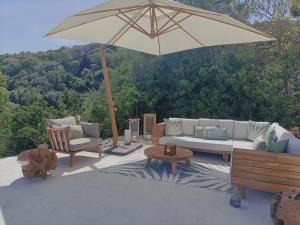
[157, 152]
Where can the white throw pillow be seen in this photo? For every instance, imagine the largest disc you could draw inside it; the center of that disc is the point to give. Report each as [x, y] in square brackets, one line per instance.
[173, 127]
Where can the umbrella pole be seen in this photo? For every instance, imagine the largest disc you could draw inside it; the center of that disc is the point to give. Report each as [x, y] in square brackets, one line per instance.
[111, 106]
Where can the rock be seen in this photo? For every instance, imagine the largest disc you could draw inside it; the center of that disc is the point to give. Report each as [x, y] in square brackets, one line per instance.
[37, 162]
[235, 201]
[275, 204]
[285, 208]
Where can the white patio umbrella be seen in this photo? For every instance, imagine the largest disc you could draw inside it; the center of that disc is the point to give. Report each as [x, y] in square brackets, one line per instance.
[156, 27]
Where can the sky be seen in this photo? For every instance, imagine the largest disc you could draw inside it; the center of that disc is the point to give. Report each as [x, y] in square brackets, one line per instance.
[23, 23]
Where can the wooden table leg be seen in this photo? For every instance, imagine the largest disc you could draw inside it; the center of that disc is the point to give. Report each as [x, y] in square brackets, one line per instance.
[242, 191]
[173, 165]
[188, 162]
[147, 162]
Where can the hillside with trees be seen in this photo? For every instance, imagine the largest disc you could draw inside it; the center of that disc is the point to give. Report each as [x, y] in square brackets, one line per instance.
[244, 82]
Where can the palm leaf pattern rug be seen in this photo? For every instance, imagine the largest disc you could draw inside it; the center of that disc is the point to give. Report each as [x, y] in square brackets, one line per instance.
[201, 174]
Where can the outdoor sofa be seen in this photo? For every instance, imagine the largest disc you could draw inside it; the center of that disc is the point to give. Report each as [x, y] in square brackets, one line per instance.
[236, 134]
[256, 169]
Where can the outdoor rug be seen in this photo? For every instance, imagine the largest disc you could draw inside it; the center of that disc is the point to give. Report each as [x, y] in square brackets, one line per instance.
[201, 174]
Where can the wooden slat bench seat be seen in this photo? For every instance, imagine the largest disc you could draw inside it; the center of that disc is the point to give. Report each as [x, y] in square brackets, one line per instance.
[266, 171]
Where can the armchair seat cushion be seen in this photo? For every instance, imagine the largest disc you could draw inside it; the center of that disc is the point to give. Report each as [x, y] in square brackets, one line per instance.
[84, 143]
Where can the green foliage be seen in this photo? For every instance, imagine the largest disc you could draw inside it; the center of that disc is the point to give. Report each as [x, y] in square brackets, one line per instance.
[255, 81]
[5, 111]
[295, 8]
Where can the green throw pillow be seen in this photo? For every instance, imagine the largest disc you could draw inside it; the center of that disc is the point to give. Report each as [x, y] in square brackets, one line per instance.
[259, 143]
[215, 133]
[198, 132]
[173, 127]
[278, 147]
[256, 129]
[270, 136]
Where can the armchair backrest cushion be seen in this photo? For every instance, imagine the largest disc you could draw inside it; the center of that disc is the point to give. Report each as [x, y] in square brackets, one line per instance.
[228, 124]
[71, 120]
[283, 134]
[74, 131]
[240, 130]
[90, 129]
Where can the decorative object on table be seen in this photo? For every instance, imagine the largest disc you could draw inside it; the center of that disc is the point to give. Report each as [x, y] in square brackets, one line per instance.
[64, 136]
[37, 162]
[157, 152]
[170, 149]
[134, 127]
[285, 208]
[149, 122]
[127, 137]
[295, 131]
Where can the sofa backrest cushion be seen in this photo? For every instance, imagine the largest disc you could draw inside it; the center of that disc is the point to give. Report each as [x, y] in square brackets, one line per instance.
[71, 120]
[228, 124]
[240, 130]
[188, 126]
[283, 134]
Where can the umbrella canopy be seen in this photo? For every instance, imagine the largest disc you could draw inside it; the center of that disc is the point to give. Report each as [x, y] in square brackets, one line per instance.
[156, 27]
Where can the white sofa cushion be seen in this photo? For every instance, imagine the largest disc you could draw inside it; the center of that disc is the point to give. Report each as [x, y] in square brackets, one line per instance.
[188, 126]
[240, 130]
[228, 124]
[243, 144]
[283, 134]
[197, 143]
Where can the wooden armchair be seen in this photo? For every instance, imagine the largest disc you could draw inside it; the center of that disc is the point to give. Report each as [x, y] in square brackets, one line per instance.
[61, 142]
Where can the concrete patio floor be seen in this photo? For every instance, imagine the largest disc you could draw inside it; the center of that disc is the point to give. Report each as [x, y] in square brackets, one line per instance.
[83, 195]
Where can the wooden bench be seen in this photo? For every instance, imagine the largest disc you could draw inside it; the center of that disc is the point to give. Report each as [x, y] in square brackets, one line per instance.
[266, 171]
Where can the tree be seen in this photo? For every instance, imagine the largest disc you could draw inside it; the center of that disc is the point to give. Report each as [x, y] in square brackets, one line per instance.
[5, 118]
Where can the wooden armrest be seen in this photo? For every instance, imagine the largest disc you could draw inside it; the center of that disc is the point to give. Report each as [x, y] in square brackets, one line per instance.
[158, 130]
